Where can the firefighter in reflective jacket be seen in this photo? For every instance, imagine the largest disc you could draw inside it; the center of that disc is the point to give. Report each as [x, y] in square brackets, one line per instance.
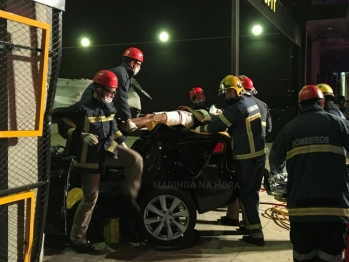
[97, 143]
[250, 91]
[243, 120]
[312, 146]
[232, 216]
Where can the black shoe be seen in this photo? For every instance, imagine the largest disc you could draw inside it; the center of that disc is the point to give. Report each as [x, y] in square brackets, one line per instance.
[229, 221]
[82, 248]
[253, 240]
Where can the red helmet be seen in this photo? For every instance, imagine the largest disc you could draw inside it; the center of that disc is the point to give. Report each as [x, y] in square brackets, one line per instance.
[194, 92]
[246, 83]
[308, 92]
[134, 53]
[106, 78]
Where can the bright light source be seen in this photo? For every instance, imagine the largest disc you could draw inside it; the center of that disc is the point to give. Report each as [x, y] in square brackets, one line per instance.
[163, 36]
[257, 30]
[85, 42]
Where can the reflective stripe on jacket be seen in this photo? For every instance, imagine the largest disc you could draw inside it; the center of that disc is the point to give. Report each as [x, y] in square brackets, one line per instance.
[313, 146]
[265, 115]
[96, 118]
[245, 128]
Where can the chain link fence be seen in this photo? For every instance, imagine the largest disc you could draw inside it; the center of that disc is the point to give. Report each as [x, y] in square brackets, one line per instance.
[25, 161]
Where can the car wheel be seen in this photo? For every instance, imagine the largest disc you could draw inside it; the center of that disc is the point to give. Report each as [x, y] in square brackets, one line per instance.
[169, 216]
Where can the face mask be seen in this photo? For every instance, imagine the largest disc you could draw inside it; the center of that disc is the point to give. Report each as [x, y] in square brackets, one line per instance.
[107, 100]
[201, 104]
[230, 101]
[136, 70]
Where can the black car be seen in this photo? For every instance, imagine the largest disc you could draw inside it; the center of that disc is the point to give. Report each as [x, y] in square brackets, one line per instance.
[184, 173]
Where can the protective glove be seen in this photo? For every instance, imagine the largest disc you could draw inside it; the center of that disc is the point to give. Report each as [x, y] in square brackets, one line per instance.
[90, 139]
[197, 130]
[214, 110]
[130, 126]
[219, 112]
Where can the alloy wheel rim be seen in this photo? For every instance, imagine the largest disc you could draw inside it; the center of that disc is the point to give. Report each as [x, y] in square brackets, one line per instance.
[166, 217]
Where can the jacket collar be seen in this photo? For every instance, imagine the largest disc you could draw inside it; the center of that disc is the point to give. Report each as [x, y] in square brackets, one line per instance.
[128, 69]
[310, 108]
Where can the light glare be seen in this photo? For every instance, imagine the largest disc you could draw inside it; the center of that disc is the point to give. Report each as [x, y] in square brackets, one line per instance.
[85, 42]
[257, 30]
[163, 37]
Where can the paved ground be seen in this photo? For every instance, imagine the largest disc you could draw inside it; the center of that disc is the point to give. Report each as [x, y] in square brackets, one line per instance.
[217, 243]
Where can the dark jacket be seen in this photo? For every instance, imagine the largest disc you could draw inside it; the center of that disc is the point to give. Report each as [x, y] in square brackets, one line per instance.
[96, 118]
[333, 109]
[265, 115]
[243, 119]
[124, 74]
[313, 145]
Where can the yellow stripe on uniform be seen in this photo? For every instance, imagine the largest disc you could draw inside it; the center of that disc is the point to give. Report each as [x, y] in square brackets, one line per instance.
[324, 148]
[250, 155]
[112, 146]
[86, 165]
[318, 211]
[94, 119]
[248, 121]
[264, 123]
[224, 120]
[70, 132]
[117, 134]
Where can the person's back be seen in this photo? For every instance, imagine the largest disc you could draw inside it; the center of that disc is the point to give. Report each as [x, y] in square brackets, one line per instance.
[311, 173]
[313, 147]
[333, 109]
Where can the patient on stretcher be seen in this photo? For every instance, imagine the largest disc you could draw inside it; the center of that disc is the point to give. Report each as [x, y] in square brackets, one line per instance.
[187, 116]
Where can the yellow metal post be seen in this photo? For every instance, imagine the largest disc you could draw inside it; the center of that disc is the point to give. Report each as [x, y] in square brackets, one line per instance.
[29, 230]
[40, 108]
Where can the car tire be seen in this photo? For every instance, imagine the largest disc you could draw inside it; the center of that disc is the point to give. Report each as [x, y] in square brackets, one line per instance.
[168, 217]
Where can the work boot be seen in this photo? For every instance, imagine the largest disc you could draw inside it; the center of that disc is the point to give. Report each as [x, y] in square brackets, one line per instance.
[253, 240]
[229, 221]
[82, 248]
[242, 226]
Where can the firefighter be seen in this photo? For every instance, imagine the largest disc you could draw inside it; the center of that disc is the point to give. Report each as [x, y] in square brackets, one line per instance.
[97, 143]
[132, 60]
[243, 120]
[232, 216]
[330, 106]
[312, 146]
[200, 109]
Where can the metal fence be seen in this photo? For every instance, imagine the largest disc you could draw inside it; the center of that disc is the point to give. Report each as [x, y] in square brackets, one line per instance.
[25, 160]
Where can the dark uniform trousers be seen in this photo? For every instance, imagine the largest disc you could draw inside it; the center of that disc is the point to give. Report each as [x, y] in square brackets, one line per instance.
[127, 158]
[250, 174]
[318, 241]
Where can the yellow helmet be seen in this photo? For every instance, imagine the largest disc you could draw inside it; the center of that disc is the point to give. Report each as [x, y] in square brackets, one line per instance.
[229, 82]
[325, 89]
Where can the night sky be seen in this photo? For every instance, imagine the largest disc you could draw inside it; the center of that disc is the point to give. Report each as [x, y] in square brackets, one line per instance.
[170, 70]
